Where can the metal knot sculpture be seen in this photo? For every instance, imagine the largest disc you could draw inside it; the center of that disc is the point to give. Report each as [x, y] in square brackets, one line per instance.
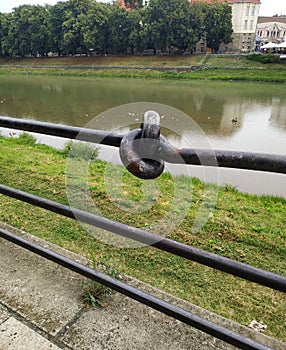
[140, 148]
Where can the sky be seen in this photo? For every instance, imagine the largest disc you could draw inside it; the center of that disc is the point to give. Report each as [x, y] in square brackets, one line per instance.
[267, 8]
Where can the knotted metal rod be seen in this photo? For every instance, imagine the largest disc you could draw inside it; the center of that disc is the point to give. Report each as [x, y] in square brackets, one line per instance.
[139, 149]
[227, 159]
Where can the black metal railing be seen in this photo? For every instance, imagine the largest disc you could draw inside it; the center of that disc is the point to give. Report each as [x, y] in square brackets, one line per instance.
[167, 153]
[226, 159]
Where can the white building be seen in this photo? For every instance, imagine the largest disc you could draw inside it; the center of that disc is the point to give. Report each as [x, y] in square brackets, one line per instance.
[244, 21]
[271, 29]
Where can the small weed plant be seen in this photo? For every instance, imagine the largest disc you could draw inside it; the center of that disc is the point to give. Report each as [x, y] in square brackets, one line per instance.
[26, 139]
[96, 294]
[81, 150]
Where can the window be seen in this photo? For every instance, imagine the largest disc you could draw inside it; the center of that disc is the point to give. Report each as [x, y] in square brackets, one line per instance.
[245, 24]
[243, 38]
[247, 10]
[251, 25]
[253, 11]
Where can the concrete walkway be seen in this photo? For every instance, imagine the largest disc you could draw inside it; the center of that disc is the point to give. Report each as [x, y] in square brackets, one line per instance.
[41, 308]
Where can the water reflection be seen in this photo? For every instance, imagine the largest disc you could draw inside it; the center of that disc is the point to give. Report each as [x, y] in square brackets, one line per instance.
[278, 113]
[75, 101]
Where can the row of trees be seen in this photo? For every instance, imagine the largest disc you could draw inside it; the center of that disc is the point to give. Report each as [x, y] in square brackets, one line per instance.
[86, 26]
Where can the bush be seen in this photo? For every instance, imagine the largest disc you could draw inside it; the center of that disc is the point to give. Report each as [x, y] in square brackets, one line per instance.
[267, 58]
[82, 150]
[26, 139]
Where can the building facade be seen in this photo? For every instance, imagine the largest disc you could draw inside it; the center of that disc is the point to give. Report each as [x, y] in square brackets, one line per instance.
[271, 29]
[244, 21]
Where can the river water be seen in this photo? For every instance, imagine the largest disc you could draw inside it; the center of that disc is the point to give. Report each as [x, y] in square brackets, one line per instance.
[231, 116]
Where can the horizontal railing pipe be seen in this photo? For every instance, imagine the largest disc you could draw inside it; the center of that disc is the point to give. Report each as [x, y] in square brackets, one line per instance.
[218, 262]
[158, 304]
[65, 131]
[228, 159]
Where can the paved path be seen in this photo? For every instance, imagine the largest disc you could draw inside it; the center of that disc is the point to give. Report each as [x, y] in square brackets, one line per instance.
[41, 308]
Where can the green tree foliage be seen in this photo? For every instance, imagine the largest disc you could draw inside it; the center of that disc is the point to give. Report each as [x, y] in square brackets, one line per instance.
[6, 19]
[156, 26]
[137, 40]
[87, 26]
[217, 23]
[56, 17]
[74, 18]
[3, 31]
[171, 24]
[78, 26]
[27, 32]
[119, 30]
[94, 27]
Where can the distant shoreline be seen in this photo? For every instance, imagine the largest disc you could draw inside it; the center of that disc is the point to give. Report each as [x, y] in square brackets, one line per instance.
[177, 67]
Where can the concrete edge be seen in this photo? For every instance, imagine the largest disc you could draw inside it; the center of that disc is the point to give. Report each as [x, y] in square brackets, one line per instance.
[241, 329]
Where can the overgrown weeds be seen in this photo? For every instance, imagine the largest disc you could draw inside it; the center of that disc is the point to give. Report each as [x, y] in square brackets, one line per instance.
[94, 293]
[81, 150]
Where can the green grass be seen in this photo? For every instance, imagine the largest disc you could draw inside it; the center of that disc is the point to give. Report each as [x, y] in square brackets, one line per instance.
[244, 227]
[255, 75]
[213, 67]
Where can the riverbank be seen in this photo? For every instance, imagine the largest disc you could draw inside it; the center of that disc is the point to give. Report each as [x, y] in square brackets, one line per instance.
[244, 227]
[199, 67]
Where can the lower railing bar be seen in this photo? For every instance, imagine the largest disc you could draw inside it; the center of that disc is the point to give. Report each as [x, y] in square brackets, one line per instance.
[230, 266]
[158, 304]
[227, 159]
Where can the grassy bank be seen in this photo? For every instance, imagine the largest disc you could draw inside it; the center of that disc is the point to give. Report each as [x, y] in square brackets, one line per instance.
[244, 227]
[201, 67]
